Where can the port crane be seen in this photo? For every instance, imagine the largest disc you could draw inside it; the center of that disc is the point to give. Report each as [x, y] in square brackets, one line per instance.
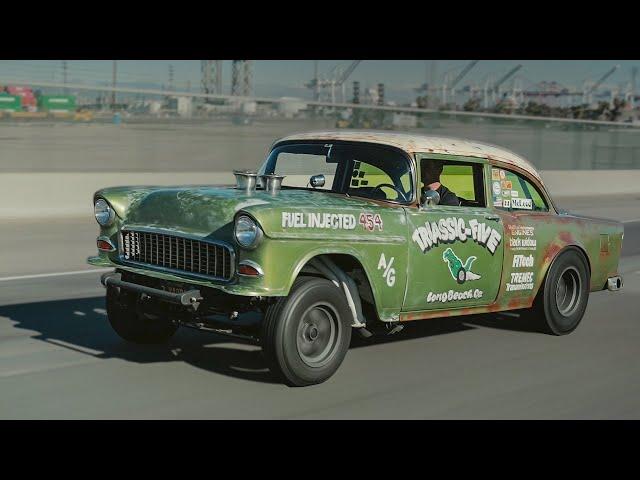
[338, 79]
[587, 96]
[446, 87]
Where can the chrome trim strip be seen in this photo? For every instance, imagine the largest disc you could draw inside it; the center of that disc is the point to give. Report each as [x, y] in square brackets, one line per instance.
[369, 238]
[252, 264]
[183, 273]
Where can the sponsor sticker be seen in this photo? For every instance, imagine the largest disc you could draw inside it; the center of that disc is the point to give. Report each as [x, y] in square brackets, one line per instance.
[502, 175]
[497, 202]
[496, 188]
[522, 203]
[514, 193]
[522, 237]
[520, 281]
[520, 261]
[506, 203]
[495, 174]
[454, 229]
[506, 185]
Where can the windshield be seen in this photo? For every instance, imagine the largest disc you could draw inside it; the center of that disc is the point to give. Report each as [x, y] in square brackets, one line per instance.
[362, 170]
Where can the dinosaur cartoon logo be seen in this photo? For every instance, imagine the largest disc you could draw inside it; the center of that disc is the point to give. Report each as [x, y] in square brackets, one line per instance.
[460, 273]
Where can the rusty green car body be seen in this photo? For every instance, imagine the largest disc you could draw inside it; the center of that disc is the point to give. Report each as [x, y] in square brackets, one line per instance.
[410, 260]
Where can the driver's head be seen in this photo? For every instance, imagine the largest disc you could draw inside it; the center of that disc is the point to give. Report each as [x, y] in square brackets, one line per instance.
[430, 171]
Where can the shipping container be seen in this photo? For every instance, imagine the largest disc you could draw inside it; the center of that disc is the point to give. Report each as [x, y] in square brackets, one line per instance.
[57, 103]
[10, 103]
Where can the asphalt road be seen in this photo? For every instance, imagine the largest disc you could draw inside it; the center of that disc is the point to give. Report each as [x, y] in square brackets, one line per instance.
[60, 359]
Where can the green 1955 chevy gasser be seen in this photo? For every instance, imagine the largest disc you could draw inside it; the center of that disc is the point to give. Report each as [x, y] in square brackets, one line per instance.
[347, 230]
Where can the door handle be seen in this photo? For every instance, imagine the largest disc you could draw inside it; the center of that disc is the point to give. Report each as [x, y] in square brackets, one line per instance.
[495, 218]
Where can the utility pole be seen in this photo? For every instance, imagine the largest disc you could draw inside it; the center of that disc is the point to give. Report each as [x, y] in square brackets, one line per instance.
[431, 91]
[316, 82]
[64, 76]
[171, 78]
[113, 84]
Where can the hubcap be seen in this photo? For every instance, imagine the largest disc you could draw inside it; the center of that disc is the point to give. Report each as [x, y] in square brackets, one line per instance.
[568, 291]
[318, 335]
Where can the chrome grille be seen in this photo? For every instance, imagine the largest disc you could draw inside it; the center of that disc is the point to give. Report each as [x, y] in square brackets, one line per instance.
[177, 253]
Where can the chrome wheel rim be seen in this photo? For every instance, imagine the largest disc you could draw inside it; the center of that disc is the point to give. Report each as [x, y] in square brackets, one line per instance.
[568, 291]
[318, 335]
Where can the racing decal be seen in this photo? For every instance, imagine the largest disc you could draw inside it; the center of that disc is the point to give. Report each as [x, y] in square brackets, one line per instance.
[334, 221]
[497, 202]
[495, 174]
[388, 273]
[453, 229]
[459, 271]
[514, 193]
[506, 203]
[521, 237]
[520, 281]
[370, 222]
[453, 296]
[520, 261]
[522, 203]
[502, 174]
[507, 185]
[496, 188]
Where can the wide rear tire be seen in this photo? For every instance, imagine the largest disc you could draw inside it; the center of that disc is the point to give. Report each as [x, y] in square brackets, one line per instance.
[562, 300]
[133, 326]
[306, 335]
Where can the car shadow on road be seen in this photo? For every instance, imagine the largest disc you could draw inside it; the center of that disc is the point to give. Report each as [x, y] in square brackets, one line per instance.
[81, 325]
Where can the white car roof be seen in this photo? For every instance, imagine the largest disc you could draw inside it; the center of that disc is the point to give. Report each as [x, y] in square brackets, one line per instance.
[418, 143]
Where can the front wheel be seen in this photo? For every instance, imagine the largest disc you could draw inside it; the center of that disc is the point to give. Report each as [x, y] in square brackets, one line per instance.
[133, 325]
[565, 293]
[306, 335]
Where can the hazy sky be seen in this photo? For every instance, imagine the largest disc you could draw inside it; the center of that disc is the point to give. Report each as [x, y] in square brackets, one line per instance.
[287, 77]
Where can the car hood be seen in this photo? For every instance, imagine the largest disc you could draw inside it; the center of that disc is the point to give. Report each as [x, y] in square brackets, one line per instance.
[209, 210]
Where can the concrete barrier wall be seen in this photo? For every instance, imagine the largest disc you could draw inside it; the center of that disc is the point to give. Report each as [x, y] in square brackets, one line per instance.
[37, 195]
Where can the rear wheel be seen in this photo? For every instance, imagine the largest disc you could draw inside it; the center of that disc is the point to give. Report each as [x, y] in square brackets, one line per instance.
[563, 299]
[133, 325]
[306, 335]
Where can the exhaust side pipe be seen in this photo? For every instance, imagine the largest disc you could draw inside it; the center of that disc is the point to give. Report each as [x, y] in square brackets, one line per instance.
[614, 283]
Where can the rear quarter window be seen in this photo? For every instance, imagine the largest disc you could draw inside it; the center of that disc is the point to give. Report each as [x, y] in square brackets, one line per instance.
[511, 191]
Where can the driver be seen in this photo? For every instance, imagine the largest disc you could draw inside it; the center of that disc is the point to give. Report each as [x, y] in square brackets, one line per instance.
[430, 171]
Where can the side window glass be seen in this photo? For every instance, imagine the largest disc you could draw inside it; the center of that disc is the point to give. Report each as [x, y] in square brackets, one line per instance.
[461, 183]
[511, 191]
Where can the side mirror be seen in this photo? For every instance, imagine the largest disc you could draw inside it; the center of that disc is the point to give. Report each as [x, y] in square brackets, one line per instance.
[430, 198]
[317, 181]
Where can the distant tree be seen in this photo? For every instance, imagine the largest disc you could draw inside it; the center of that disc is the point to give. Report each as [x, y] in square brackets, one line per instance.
[472, 105]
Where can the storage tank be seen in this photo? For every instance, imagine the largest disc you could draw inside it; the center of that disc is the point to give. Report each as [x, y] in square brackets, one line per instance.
[290, 107]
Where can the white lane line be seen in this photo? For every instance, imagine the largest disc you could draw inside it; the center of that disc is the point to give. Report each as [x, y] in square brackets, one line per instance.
[56, 274]
[632, 221]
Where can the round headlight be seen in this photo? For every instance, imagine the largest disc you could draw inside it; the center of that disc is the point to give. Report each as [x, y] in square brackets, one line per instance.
[103, 212]
[247, 232]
